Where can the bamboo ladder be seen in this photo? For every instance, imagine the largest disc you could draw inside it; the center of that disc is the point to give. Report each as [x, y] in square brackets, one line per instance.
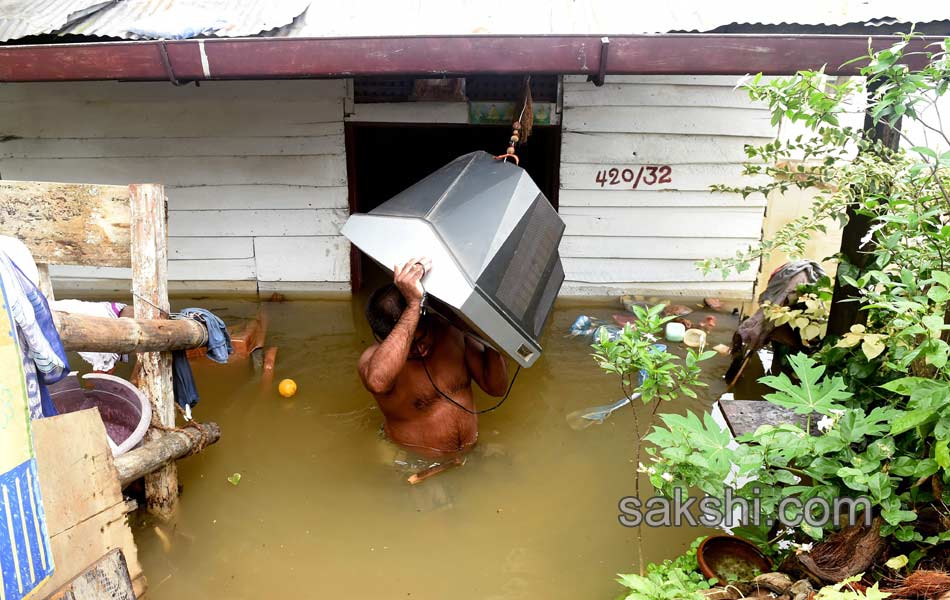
[116, 226]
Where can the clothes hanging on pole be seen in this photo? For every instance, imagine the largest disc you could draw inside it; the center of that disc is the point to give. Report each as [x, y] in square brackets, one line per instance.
[218, 349]
[100, 361]
[44, 358]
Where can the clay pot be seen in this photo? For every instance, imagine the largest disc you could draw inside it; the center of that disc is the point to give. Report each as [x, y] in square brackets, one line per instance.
[729, 558]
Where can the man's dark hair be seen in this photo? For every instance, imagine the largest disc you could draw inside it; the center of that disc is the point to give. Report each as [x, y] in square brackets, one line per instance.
[383, 310]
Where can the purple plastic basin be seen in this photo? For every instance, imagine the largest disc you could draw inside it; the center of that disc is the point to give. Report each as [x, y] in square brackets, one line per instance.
[124, 410]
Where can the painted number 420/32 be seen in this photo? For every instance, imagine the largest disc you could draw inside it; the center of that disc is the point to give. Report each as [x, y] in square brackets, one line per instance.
[635, 176]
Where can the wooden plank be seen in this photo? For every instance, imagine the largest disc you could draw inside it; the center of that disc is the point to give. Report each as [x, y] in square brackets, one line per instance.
[671, 149]
[184, 171]
[204, 248]
[255, 197]
[169, 119]
[666, 198]
[742, 122]
[67, 223]
[229, 269]
[662, 222]
[745, 416]
[161, 92]
[173, 146]
[302, 259]
[698, 177]
[655, 94]
[733, 290]
[150, 301]
[613, 270]
[243, 223]
[681, 248]
[108, 577]
[704, 80]
[85, 511]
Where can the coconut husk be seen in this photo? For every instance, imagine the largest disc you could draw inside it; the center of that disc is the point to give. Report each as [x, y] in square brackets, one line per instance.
[851, 551]
[923, 585]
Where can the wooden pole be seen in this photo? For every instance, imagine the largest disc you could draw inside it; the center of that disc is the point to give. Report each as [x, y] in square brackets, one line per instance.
[85, 333]
[150, 301]
[163, 449]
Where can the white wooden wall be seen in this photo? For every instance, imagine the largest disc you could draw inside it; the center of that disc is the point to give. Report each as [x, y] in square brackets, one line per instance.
[646, 240]
[255, 171]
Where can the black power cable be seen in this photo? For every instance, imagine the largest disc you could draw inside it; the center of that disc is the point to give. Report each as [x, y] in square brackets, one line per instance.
[423, 311]
[468, 410]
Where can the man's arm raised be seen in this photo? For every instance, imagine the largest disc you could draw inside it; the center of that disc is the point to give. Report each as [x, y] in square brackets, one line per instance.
[380, 365]
[487, 367]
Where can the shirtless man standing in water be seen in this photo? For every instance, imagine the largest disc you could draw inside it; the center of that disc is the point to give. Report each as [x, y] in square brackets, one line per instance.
[394, 370]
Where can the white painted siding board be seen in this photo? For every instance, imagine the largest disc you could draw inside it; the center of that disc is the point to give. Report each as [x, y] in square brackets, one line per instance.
[665, 198]
[79, 272]
[702, 80]
[661, 222]
[611, 270]
[163, 92]
[255, 197]
[587, 94]
[302, 258]
[742, 122]
[723, 289]
[600, 148]
[692, 177]
[204, 269]
[222, 270]
[680, 248]
[186, 248]
[238, 159]
[647, 240]
[244, 223]
[173, 147]
[177, 171]
[172, 119]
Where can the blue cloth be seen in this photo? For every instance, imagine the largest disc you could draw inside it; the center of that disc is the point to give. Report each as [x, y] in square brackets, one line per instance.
[44, 359]
[219, 340]
[219, 349]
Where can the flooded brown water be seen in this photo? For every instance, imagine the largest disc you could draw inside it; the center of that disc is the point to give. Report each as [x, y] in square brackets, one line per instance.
[321, 512]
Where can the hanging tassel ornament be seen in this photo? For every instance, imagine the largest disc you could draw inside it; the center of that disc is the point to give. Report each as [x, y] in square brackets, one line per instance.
[526, 117]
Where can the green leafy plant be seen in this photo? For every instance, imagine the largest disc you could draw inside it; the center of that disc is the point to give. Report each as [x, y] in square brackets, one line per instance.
[878, 394]
[676, 579]
[882, 453]
[647, 372]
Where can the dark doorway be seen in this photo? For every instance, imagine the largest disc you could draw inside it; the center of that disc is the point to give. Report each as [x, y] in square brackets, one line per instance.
[383, 159]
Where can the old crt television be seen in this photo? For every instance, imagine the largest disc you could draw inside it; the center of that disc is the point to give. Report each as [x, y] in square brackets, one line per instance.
[493, 239]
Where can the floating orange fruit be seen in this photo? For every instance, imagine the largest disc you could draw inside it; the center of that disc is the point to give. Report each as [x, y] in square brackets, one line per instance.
[287, 388]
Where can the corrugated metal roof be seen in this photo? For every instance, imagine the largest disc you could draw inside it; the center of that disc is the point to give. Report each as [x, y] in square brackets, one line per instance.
[154, 19]
[504, 17]
[20, 18]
